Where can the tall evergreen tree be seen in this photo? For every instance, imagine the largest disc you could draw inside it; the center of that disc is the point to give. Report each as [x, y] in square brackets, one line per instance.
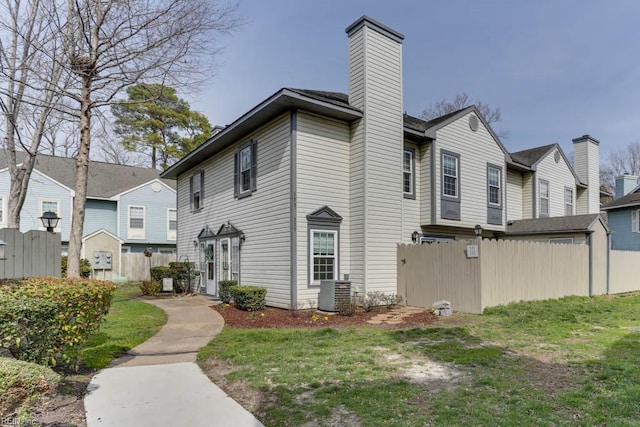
[155, 121]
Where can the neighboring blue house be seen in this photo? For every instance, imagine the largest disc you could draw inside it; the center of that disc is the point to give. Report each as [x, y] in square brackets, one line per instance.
[131, 203]
[623, 214]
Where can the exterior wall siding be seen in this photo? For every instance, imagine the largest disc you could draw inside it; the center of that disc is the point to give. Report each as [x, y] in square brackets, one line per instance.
[476, 150]
[514, 195]
[156, 205]
[622, 238]
[376, 64]
[559, 176]
[411, 208]
[586, 156]
[264, 217]
[101, 214]
[41, 188]
[323, 172]
[424, 171]
[528, 206]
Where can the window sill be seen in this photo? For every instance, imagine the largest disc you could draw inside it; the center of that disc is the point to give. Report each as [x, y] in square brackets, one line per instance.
[243, 195]
[409, 196]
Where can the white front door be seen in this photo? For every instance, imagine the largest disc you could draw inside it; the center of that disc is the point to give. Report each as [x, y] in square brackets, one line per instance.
[210, 268]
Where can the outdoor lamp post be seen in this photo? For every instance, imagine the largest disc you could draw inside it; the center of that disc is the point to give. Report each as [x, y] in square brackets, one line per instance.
[478, 230]
[49, 220]
[2, 245]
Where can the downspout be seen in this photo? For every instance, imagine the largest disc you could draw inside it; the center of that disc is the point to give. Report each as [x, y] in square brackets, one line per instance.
[590, 243]
[293, 186]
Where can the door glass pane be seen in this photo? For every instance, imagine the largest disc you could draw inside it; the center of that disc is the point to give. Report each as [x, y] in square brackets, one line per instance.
[235, 257]
[224, 258]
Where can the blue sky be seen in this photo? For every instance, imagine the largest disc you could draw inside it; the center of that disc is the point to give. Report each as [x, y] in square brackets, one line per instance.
[557, 69]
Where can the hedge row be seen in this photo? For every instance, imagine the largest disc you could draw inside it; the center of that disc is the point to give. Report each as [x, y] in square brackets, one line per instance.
[46, 320]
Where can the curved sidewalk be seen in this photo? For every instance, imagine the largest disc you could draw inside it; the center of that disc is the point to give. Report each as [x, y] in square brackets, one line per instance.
[158, 383]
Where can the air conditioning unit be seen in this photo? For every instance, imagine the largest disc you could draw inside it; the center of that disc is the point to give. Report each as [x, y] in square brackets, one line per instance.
[332, 292]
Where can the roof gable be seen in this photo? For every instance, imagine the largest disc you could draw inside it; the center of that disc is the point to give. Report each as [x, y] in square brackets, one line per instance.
[533, 156]
[144, 184]
[104, 180]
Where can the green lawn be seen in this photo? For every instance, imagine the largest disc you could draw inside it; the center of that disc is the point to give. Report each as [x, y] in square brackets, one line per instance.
[573, 361]
[128, 324]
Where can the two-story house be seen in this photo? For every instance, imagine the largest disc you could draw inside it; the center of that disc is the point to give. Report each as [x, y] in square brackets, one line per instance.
[132, 204]
[623, 214]
[311, 185]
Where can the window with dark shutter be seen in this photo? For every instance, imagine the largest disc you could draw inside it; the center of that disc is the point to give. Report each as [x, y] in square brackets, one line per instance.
[245, 169]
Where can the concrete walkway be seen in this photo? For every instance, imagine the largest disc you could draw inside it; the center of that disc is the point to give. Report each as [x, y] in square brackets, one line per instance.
[158, 383]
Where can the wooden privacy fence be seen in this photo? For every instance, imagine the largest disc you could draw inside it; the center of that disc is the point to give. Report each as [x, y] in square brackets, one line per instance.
[504, 271]
[624, 271]
[32, 254]
[135, 266]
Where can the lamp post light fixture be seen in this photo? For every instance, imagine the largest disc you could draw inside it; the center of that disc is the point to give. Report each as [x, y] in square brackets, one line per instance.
[49, 220]
[2, 245]
[414, 236]
[478, 230]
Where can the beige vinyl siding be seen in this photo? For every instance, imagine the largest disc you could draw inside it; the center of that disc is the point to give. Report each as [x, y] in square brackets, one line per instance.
[559, 176]
[425, 184]
[375, 83]
[263, 217]
[357, 172]
[384, 147]
[323, 170]
[589, 201]
[476, 150]
[411, 207]
[527, 195]
[514, 195]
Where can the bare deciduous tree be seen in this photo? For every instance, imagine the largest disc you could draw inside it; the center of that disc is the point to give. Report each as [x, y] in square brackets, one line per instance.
[462, 100]
[112, 44]
[623, 161]
[29, 49]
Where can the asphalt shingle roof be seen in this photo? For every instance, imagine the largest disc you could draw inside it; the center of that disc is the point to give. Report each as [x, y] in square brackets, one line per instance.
[629, 199]
[560, 224]
[532, 155]
[105, 179]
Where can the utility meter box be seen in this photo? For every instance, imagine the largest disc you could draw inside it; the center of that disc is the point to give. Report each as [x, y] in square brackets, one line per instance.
[102, 260]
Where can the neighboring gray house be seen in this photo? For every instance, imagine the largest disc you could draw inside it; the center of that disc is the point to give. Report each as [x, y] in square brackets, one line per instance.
[623, 214]
[133, 204]
[311, 185]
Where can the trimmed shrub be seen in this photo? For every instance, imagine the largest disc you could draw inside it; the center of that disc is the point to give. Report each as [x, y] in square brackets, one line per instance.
[85, 267]
[27, 327]
[224, 290]
[249, 298]
[79, 305]
[162, 272]
[150, 287]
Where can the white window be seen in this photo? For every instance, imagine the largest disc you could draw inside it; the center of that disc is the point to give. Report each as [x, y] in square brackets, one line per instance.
[136, 222]
[50, 206]
[323, 262]
[408, 173]
[245, 171]
[564, 240]
[450, 175]
[568, 201]
[635, 219]
[197, 196]
[494, 181]
[172, 224]
[544, 198]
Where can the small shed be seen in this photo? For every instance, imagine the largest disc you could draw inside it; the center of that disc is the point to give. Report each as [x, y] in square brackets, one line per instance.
[103, 250]
[590, 229]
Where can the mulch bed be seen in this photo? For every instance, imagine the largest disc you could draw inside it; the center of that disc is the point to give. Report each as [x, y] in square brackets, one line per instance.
[280, 318]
